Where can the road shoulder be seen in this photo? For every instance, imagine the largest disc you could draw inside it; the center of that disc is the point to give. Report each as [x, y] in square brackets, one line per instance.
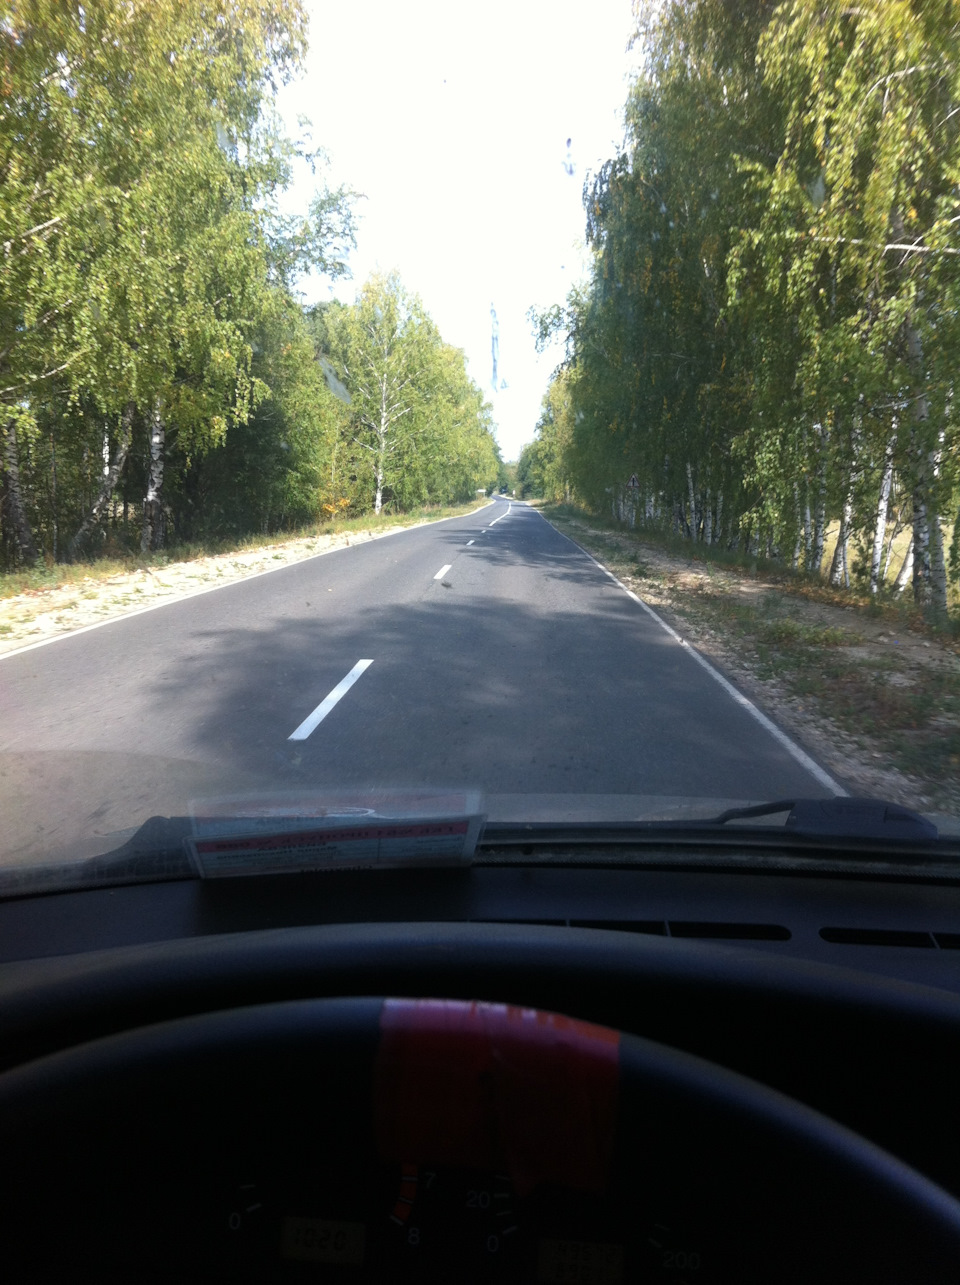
[877, 703]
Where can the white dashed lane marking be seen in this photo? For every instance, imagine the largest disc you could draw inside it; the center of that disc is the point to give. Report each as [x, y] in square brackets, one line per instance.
[312, 721]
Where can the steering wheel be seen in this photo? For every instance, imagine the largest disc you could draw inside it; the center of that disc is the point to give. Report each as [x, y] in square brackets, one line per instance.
[122, 1158]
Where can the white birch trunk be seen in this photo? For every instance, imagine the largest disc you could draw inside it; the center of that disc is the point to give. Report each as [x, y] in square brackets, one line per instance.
[929, 576]
[922, 591]
[820, 509]
[839, 567]
[905, 573]
[807, 535]
[839, 574]
[152, 532]
[383, 433]
[110, 478]
[53, 495]
[938, 569]
[883, 509]
[888, 556]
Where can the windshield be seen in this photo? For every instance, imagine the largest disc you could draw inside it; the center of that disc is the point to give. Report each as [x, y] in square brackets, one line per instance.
[548, 409]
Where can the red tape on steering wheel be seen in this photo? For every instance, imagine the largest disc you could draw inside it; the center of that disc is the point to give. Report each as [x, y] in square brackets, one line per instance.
[490, 1086]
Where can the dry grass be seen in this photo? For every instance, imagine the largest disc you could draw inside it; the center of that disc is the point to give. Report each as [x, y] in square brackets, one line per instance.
[57, 575]
[45, 602]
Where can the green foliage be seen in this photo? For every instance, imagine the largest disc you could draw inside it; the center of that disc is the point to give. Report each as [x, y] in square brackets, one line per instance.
[419, 430]
[542, 468]
[146, 272]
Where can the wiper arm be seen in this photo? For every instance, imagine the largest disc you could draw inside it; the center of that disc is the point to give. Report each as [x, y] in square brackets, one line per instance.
[842, 818]
[842, 828]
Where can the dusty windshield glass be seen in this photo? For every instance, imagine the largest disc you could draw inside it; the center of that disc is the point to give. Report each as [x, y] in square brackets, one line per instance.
[630, 330]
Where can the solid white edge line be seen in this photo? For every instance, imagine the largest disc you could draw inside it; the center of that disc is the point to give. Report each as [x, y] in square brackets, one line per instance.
[801, 756]
[196, 593]
[310, 723]
[443, 571]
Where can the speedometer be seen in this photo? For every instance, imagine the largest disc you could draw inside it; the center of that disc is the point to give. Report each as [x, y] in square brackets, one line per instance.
[427, 1223]
[455, 1214]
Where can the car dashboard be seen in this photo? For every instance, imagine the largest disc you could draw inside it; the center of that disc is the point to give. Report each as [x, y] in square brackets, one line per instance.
[518, 1071]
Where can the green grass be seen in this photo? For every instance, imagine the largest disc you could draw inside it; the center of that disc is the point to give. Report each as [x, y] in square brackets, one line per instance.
[787, 632]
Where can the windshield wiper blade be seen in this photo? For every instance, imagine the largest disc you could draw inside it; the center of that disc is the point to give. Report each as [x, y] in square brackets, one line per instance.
[860, 826]
[843, 818]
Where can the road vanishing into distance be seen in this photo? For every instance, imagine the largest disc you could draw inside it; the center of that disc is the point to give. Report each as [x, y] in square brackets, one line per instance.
[485, 650]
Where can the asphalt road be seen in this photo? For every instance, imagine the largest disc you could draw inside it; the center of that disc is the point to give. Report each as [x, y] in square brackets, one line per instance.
[501, 657]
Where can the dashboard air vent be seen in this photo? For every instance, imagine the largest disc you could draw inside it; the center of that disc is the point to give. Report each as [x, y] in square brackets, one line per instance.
[718, 931]
[880, 937]
[729, 932]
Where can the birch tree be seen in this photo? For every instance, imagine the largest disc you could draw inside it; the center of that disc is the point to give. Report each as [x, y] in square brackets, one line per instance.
[415, 416]
[139, 166]
[769, 339]
[871, 95]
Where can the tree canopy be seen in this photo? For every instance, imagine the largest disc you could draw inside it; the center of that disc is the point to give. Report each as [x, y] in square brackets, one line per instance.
[419, 427]
[767, 343]
[154, 357]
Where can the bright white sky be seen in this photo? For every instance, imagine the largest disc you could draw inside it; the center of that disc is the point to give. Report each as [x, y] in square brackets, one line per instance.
[452, 119]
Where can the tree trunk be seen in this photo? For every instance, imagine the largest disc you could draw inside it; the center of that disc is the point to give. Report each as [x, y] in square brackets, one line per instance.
[922, 580]
[883, 509]
[683, 526]
[839, 575]
[839, 567]
[938, 568]
[53, 494]
[379, 460]
[26, 545]
[693, 503]
[807, 534]
[929, 578]
[820, 509]
[798, 543]
[152, 531]
[887, 557]
[906, 570]
[110, 478]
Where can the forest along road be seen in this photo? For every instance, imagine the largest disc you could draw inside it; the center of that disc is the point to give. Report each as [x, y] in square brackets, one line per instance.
[497, 654]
